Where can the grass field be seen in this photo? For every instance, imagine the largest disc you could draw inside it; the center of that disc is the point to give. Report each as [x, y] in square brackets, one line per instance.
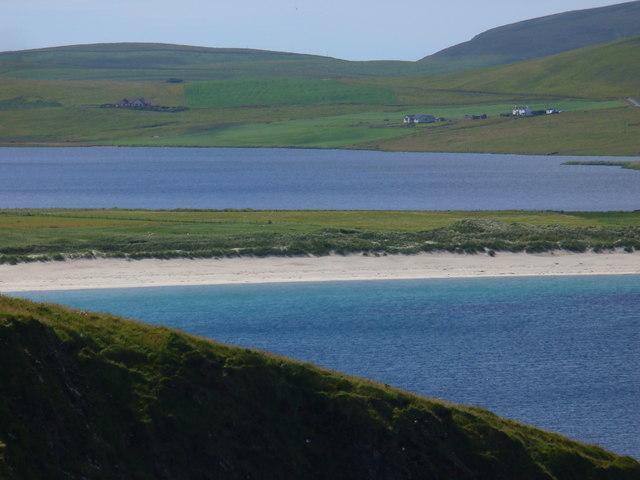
[610, 131]
[594, 132]
[283, 91]
[27, 235]
[307, 107]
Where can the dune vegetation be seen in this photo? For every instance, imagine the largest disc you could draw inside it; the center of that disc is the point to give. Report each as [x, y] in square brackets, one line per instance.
[41, 235]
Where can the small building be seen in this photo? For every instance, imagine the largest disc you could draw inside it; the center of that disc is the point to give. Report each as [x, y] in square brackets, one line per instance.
[133, 103]
[413, 119]
[522, 111]
[552, 111]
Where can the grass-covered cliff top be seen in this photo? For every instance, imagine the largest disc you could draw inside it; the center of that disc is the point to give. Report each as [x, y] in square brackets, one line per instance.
[86, 395]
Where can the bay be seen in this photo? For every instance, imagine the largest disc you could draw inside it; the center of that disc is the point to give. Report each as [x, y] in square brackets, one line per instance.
[560, 353]
[218, 178]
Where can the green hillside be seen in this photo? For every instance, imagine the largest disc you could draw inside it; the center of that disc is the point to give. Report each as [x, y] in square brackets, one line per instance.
[343, 111]
[606, 70]
[86, 395]
[161, 62]
[283, 91]
[566, 81]
[540, 37]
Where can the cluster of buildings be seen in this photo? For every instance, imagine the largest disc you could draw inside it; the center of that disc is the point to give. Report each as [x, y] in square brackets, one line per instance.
[525, 111]
[128, 103]
[518, 111]
[415, 118]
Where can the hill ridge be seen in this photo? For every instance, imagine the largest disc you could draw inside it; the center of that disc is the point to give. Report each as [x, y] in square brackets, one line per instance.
[541, 37]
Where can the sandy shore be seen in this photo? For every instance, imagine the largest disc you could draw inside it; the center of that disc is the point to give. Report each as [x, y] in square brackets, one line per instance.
[110, 273]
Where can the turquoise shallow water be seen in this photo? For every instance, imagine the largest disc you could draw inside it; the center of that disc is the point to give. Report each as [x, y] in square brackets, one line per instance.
[561, 353]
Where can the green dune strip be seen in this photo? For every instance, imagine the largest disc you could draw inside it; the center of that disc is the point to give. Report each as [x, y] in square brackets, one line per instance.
[40, 235]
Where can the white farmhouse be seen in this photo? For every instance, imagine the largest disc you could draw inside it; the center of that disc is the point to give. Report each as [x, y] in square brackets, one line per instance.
[413, 119]
[522, 111]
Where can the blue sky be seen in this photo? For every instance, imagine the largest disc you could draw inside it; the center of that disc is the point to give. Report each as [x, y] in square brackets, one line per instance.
[349, 29]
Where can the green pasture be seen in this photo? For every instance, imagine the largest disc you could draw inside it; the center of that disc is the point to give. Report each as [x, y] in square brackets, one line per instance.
[591, 132]
[82, 93]
[283, 91]
[307, 106]
[328, 132]
[459, 111]
[367, 129]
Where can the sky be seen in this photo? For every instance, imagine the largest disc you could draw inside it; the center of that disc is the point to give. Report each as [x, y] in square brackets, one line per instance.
[347, 29]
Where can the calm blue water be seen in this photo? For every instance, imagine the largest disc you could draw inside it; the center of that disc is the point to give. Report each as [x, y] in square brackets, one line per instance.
[159, 178]
[561, 353]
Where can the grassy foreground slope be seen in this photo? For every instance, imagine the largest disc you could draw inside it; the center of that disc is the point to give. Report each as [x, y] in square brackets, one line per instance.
[28, 235]
[86, 395]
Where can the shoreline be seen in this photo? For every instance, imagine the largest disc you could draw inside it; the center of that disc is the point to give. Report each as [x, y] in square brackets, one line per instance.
[122, 273]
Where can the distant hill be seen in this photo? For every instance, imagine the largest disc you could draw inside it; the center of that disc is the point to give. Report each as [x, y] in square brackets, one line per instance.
[606, 70]
[94, 396]
[525, 40]
[540, 37]
[155, 61]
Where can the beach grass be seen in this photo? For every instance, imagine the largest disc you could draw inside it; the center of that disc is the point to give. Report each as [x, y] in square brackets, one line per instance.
[34, 234]
[633, 165]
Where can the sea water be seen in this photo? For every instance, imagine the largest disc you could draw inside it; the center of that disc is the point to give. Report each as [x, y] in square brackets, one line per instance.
[560, 353]
[167, 178]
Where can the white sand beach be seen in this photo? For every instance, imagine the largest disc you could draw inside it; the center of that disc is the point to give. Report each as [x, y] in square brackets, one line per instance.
[116, 273]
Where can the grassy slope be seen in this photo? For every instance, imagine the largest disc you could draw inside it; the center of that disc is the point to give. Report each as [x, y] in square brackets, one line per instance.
[94, 396]
[606, 70]
[283, 91]
[577, 81]
[598, 132]
[541, 37]
[601, 71]
[56, 234]
[160, 62]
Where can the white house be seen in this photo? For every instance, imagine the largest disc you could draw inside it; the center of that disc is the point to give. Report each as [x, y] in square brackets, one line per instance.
[522, 111]
[413, 119]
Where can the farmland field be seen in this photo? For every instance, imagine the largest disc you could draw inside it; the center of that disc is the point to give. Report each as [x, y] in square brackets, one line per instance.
[283, 91]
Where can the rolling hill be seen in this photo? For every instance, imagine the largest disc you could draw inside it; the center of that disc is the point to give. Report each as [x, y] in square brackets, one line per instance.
[540, 37]
[609, 70]
[86, 395]
[161, 62]
[250, 98]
